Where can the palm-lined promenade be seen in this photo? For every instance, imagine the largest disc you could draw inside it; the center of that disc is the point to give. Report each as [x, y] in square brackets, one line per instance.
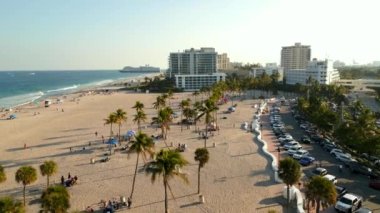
[236, 177]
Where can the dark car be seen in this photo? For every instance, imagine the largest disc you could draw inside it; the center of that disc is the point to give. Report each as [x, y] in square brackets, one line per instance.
[328, 147]
[374, 182]
[356, 167]
[340, 191]
[316, 138]
[306, 160]
[318, 171]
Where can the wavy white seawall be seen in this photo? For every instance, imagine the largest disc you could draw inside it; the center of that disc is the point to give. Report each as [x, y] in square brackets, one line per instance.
[256, 128]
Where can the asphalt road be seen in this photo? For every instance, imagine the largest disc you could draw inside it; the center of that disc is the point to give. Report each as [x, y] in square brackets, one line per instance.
[354, 183]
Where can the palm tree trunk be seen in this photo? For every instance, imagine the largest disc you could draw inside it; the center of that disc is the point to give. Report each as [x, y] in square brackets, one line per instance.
[111, 131]
[24, 195]
[318, 205]
[134, 177]
[47, 177]
[206, 136]
[199, 178]
[181, 120]
[138, 126]
[119, 134]
[166, 195]
[288, 197]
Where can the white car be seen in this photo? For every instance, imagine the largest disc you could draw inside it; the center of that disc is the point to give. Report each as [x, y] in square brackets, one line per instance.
[346, 159]
[348, 203]
[300, 153]
[293, 150]
[292, 144]
[331, 178]
[335, 152]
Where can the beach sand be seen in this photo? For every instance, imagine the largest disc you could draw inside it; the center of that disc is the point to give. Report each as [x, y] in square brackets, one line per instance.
[237, 177]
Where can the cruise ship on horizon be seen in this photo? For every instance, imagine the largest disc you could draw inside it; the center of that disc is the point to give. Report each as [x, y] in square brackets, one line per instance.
[145, 68]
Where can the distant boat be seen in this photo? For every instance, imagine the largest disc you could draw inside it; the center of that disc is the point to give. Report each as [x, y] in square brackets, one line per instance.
[145, 68]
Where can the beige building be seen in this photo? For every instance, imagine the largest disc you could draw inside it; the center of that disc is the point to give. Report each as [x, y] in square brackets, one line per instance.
[295, 57]
[223, 62]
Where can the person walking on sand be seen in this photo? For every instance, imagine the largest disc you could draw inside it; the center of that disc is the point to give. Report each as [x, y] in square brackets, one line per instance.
[103, 139]
[69, 176]
[96, 134]
[129, 202]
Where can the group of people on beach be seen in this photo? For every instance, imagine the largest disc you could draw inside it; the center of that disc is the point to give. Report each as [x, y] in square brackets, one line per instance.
[70, 180]
[112, 206]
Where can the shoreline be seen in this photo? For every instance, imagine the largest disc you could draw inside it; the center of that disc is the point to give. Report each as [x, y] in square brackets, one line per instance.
[114, 85]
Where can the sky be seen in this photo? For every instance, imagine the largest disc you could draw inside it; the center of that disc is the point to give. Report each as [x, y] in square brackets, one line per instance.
[111, 34]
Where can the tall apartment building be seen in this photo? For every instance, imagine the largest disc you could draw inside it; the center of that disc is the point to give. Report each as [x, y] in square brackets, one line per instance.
[194, 69]
[295, 57]
[321, 71]
[223, 62]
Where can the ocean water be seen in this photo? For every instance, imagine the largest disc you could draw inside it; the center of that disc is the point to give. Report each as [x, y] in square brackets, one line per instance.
[20, 87]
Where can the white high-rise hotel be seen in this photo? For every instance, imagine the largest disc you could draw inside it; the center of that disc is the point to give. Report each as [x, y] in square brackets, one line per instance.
[298, 68]
[194, 69]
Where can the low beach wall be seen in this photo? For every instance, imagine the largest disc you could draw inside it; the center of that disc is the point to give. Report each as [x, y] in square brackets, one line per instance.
[256, 129]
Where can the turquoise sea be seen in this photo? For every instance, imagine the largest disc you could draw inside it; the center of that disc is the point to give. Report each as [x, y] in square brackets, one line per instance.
[20, 87]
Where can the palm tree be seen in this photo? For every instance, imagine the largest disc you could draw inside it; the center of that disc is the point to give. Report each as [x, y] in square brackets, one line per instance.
[202, 156]
[144, 145]
[183, 105]
[139, 117]
[166, 163]
[26, 175]
[189, 114]
[170, 95]
[207, 109]
[160, 102]
[121, 117]
[320, 191]
[48, 168]
[289, 172]
[195, 94]
[10, 205]
[55, 199]
[3, 176]
[111, 119]
[138, 106]
[163, 119]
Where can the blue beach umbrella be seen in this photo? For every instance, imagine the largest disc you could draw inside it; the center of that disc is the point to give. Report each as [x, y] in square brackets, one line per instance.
[130, 133]
[112, 141]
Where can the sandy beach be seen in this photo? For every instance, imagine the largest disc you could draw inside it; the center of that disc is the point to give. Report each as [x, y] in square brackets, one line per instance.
[236, 179]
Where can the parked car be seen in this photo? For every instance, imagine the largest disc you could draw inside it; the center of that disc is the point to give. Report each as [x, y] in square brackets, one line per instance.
[306, 160]
[318, 171]
[364, 210]
[348, 203]
[334, 152]
[328, 147]
[346, 159]
[292, 144]
[299, 154]
[316, 138]
[374, 182]
[340, 191]
[305, 139]
[293, 150]
[331, 178]
[356, 167]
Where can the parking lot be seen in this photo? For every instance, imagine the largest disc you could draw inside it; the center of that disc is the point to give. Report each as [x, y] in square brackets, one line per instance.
[354, 183]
